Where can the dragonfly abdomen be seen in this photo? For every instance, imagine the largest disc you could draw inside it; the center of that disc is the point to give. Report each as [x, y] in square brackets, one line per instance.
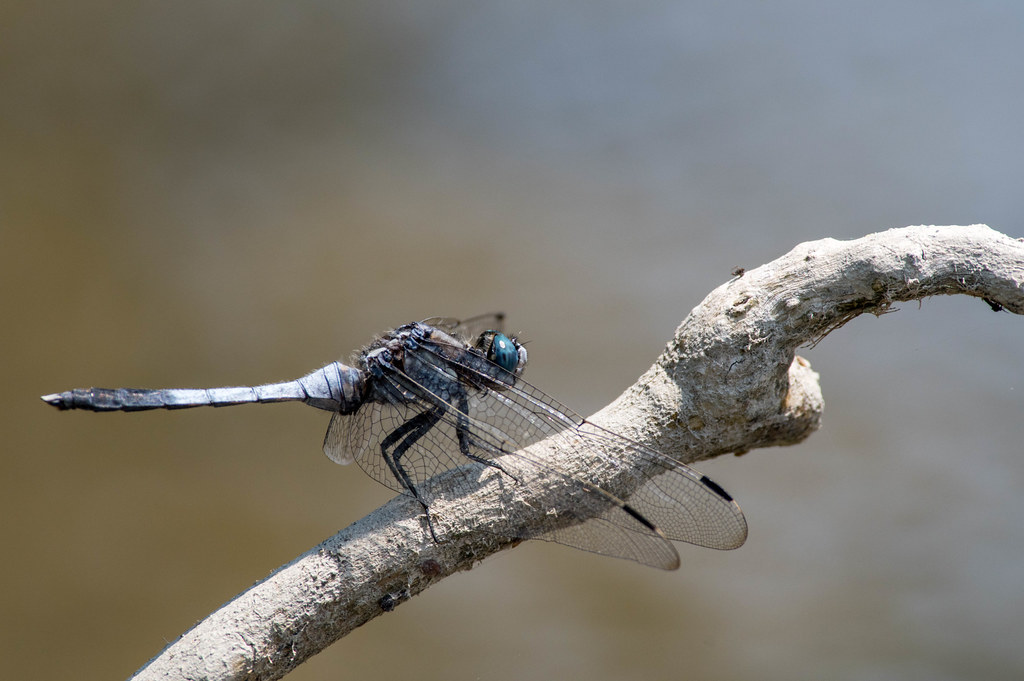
[135, 399]
[334, 387]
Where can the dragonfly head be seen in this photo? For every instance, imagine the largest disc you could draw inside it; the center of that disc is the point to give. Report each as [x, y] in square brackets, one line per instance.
[508, 353]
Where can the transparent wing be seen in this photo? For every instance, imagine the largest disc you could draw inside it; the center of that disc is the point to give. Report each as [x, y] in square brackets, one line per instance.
[341, 443]
[682, 503]
[469, 329]
[588, 518]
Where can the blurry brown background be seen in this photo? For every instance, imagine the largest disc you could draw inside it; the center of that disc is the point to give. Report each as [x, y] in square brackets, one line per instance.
[218, 193]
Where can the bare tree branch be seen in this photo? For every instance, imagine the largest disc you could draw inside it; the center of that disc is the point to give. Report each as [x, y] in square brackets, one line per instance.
[729, 381]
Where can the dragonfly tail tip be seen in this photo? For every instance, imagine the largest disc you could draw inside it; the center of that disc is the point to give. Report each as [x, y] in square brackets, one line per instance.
[54, 399]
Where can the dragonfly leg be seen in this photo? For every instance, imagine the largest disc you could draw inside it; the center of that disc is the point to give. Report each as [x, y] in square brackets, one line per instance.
[409, 432]
[463, 433]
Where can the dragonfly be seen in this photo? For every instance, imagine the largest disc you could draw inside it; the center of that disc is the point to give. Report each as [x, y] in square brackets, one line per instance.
[432, 408]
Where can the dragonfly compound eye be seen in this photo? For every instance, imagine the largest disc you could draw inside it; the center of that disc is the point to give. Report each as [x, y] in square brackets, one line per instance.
[503, 352]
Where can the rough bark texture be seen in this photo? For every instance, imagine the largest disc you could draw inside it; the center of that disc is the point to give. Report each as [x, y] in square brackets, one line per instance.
[729, 381]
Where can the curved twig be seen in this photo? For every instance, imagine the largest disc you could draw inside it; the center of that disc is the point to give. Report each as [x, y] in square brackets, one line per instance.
[729, 381]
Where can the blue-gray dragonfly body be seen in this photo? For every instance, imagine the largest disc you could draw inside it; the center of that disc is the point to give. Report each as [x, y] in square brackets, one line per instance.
[447, 397]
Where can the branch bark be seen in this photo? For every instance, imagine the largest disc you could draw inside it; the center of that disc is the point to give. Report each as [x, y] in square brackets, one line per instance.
[729, 381]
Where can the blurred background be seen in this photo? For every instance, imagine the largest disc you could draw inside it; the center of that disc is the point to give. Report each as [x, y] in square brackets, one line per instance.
[218, 193]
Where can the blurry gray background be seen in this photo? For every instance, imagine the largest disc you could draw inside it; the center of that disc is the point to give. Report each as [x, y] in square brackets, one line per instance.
[218, 193]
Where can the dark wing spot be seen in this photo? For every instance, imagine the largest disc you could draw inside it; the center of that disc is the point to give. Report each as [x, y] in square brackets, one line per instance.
[633, 512]
[713, 486]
